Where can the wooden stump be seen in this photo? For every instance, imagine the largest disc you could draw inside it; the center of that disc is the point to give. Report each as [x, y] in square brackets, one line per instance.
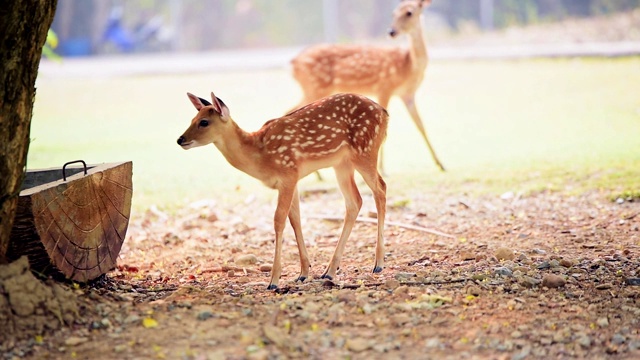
[76, 226]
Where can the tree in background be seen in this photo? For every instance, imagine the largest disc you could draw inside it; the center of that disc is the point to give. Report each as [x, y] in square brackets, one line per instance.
[23, 31]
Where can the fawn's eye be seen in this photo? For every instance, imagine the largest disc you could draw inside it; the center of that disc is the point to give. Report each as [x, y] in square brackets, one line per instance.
[203, 123]
[409, 13]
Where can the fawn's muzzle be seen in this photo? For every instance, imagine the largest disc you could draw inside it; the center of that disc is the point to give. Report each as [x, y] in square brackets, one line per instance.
[181, 140]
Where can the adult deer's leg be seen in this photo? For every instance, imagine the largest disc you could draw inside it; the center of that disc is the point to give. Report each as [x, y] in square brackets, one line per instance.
[409, 102]
[379, 189]
[285, 196]
[294, 219]
[353, 203]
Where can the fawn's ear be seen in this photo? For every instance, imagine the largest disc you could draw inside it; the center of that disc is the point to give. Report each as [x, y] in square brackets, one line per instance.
[220, 107]
[197, 102]
[425, 3]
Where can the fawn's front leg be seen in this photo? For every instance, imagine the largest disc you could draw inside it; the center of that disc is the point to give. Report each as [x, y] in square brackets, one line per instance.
[285, 196]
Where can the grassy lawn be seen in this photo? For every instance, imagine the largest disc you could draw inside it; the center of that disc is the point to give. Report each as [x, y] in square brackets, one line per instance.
[565, 125]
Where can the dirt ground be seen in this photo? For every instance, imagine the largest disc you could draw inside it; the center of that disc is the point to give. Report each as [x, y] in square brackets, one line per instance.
[537, 276]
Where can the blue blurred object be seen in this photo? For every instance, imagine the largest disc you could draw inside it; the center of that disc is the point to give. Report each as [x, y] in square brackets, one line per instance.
[129, 40]
[116, 34]
[75, 47]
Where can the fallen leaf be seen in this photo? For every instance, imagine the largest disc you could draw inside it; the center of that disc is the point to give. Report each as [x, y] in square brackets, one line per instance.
[149, 323]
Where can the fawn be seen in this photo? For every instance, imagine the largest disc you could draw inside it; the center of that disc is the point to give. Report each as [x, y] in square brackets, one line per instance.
[326, 69]
[343, 131]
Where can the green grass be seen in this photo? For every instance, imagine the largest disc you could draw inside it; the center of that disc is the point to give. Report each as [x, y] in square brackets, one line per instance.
[522, 126]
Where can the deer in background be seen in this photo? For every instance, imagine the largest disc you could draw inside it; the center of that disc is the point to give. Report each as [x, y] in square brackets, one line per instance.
[326, 69]
[344, 131]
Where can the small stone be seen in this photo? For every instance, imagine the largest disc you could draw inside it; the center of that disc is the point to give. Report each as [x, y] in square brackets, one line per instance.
[119, 348]
[543, 265]
[584, 340]
[634, 345]
[473, 290]
[402, 289]
[367, 308]
[75, 340]
[529, 282]
[503, 271]
[231, 273]
[504, 253]
[432, 343]
[539, 251]
[566, 263]
[554, 263]
[603, 286]
[204, 315]
[602, 322]
[553, 281]
[132, 319]
[618, 339]
[404, 276]
[390, 284]
[358, 344]
[516, 334]
[507, 195]
[275, 335]
[265, 268]
[522, 354]
[467, 255]
[632, 281]
[400, 319]
[246, 259]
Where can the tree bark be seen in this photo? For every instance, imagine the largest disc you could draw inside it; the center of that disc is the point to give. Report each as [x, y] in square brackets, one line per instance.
[23, 32]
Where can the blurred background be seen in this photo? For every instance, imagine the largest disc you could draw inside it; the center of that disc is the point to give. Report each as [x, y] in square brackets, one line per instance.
[519, 96]
[94, 27]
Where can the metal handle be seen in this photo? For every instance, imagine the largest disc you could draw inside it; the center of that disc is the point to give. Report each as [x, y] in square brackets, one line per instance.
[64, 175]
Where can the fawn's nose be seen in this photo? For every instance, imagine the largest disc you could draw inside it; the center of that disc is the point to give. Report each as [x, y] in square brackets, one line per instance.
[181, 140]
[393, 32]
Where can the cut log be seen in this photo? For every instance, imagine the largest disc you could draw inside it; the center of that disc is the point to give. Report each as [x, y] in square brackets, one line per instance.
[73, 226]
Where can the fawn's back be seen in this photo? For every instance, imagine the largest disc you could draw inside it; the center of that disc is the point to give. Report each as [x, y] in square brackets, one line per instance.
[324, 133]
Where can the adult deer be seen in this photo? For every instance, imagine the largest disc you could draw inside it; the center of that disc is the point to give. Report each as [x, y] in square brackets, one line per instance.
[344, 131]
[326, 69]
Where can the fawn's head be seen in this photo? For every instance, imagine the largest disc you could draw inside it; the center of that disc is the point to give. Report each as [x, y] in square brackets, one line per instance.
[207, 124]
[406, 16]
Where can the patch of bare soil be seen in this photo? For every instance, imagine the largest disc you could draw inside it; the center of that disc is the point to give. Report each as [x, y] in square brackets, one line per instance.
[29, 307]
[540, 276]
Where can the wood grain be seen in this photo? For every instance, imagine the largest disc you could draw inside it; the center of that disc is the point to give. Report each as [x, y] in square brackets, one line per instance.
[76, 227]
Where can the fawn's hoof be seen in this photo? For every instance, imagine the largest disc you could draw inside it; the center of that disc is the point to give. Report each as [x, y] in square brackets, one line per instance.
[326, 276]
[301, 278]
[272, 287]
[377, 269]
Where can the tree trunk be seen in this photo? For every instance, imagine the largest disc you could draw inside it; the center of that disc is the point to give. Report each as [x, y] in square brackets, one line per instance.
[23, 31]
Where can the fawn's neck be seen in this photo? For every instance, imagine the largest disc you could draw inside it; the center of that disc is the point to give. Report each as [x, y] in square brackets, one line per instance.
[240, 149]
